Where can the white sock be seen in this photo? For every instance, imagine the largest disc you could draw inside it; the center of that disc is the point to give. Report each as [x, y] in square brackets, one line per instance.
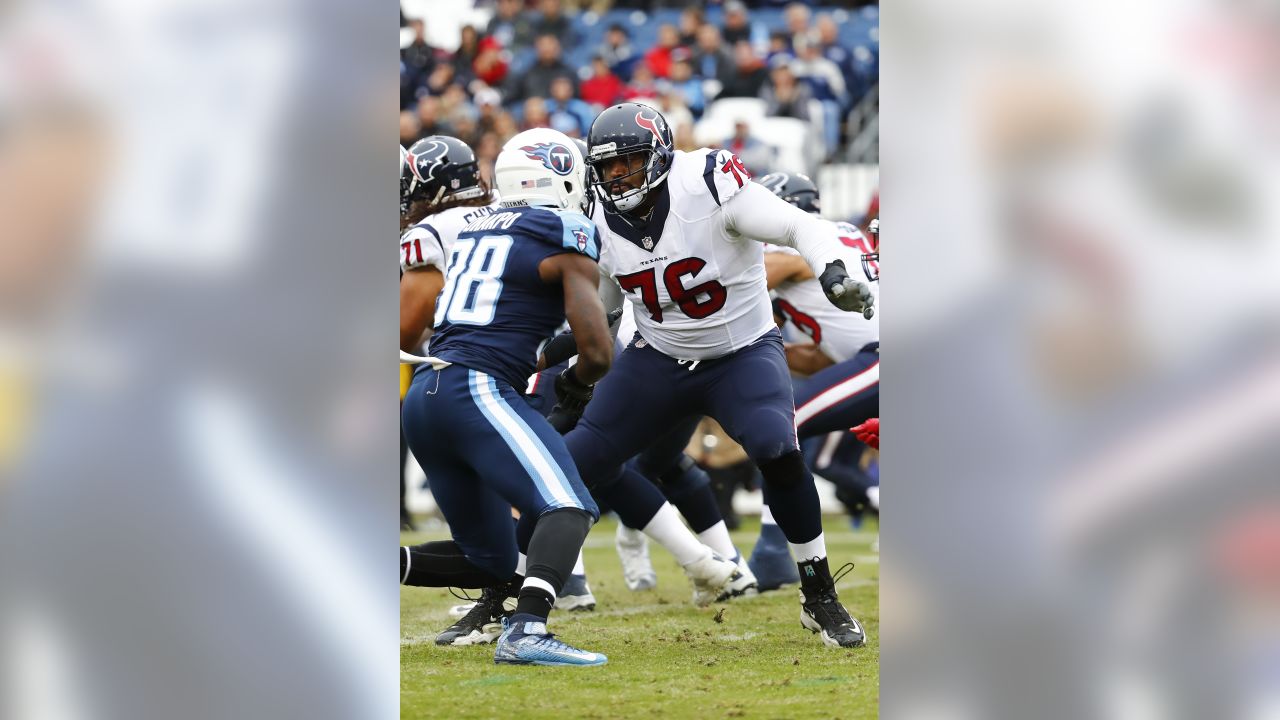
[578, 568]
[522, 561]
[815, 548]
[717, 538]
[668, 531]
[766, 516]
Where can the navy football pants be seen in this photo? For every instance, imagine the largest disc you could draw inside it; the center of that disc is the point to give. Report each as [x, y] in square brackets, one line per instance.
[840, 396]
[487, 450]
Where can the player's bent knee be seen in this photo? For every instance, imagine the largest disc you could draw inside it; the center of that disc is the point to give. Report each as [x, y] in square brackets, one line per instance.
[785, 471]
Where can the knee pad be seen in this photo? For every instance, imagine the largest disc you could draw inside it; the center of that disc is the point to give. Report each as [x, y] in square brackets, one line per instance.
[785, 471]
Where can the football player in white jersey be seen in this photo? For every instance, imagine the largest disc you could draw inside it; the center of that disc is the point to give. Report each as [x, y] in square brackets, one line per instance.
[443, 193]
[840, 362]
[682, 236]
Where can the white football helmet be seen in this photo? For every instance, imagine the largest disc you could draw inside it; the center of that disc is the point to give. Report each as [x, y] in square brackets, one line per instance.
[542, 166]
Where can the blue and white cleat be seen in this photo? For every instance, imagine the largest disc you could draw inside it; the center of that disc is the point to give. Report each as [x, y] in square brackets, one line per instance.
[529, 643]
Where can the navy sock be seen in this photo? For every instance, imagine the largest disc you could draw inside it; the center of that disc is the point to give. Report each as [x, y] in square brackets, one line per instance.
[792, 497]
[635, 499]
[442, 564]
[688, 487]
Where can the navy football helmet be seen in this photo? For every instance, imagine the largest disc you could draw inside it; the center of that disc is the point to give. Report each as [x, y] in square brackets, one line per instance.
[795, 188]
[800, 191]
[622, 130]
[406, 176]
[443, 168]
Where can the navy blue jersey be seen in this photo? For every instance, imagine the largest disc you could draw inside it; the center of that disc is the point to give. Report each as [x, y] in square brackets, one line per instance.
[495, 312]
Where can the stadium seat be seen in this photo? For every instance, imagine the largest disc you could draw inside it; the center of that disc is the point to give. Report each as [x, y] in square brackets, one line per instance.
[730, 109]
[791, 137]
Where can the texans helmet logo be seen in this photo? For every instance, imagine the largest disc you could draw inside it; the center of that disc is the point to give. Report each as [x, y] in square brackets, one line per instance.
[425, 163]
[555, 156]
[653, 125]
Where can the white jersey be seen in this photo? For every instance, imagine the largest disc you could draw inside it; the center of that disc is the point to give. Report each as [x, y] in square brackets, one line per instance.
[839, 334]
[697, 288]
[427, 243]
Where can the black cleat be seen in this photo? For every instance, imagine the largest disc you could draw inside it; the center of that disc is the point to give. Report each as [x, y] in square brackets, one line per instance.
[481, 625]
[821, 612]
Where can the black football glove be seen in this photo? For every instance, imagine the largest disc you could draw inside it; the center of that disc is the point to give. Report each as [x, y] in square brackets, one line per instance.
[844, 292]
[572, 395]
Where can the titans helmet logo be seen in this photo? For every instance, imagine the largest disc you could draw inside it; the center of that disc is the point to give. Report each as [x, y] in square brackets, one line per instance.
[555, 156]
[653, 125]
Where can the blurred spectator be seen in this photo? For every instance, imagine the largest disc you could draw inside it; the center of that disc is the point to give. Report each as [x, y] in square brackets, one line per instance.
[417, 60]
[505, 127]
[779, 46]
[685, 140]
[673, 109]
[712, 61]
[537, 79]
[447, 74]
[429, 117]
[567, 111]
[617, 52]
[784, 96]
[410, 128]
[797, 19]
[511, 26]
[642, 85]
[468, 46]
[829, 41]
[756, 155]
[488, 108]
[690, 20]
[552, 21]
[456, 109]
[748, 75]
[603, 88]
[487, 149]
[658, 59]
[489, 65]
[738, 26]
[535, 114]
[825, 83]
[689, 88]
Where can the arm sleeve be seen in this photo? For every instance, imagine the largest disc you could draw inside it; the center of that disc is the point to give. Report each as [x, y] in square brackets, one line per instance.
[758, 214]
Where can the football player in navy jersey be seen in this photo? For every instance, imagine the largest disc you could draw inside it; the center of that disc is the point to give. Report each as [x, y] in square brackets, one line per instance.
[512, 278]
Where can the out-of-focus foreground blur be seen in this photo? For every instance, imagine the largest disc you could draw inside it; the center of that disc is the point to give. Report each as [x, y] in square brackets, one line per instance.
[197, 426]
[1082, 401]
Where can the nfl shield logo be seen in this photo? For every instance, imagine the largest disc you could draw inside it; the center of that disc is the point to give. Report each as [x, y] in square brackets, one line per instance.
[647, 242]
[582, 240]
[454, 183]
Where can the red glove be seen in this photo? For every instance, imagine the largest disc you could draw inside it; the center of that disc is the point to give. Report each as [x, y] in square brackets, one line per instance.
[869, 432]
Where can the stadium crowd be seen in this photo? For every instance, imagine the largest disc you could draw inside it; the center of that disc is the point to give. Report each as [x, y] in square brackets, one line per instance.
[544, 64]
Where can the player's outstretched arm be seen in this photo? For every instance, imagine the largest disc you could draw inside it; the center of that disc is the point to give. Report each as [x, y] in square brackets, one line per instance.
[756, 213]
[418, 291]
[584, 311]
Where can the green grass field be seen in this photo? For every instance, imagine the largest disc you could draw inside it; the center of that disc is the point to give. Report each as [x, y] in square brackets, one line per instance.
[667, 658]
